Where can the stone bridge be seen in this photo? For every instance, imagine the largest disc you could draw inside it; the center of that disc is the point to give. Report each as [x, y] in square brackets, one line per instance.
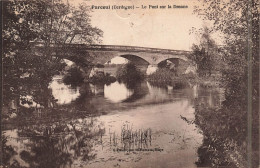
[86, 55]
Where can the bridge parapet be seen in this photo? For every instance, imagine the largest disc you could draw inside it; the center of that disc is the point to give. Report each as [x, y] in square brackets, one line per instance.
[137, 49]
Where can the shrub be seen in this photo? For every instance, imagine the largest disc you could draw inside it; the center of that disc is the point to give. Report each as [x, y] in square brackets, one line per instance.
[164, 76]
[129, 73]
[101, 78]
[73, 77]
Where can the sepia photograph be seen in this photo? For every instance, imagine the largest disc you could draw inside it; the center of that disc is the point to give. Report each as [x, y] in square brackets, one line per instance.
[129, 84]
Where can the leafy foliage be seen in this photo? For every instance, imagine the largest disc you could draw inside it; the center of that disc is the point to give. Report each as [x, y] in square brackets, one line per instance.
[102, 78]
[129, 73]
[50, 22]
[238, 21]
[73, 77]
[165, 76]
[54, 145]
[206, 54]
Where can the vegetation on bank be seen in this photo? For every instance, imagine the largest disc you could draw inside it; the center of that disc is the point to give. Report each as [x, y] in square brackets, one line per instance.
[73, 77]
[129, 73]
[164, 76]
[226, 134]
[101, 78]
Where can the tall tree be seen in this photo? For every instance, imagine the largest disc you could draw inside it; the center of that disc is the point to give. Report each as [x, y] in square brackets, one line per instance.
[205, 53]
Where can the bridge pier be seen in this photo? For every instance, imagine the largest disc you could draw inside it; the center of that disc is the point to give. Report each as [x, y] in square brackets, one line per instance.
[151, 69]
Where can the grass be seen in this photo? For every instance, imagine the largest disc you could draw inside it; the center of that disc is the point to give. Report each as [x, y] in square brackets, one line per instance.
[131, 139]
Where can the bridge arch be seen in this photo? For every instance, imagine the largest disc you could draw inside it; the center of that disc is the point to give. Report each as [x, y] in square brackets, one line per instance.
[138, 61]
[180, 65]
[172, 57]
[135, 59]
[78, 61]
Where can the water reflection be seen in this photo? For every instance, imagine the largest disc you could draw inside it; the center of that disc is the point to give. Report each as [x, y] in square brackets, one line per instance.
[122, 93]
[97, 89]
[55, 145]
[117, 92]
[74, 132]
[63, 93]
[87, 141]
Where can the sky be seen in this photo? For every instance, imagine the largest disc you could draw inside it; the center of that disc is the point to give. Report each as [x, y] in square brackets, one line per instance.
[156, 28]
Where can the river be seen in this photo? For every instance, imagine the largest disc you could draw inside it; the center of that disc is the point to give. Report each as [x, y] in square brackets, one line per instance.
[116, 125]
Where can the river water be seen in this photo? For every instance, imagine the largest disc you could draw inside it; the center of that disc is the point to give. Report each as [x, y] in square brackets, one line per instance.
[115, 125]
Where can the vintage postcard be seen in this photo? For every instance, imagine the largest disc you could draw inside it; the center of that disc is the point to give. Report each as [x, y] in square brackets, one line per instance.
[130, 83]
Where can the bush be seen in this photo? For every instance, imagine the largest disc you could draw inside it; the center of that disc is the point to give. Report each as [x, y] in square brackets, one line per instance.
[73, 77]
[164, 76]
[101, 78]
[129, 73]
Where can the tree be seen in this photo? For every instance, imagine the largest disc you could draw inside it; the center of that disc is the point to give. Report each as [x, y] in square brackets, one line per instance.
[50, 22]
[205, 53]
[238, 21]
